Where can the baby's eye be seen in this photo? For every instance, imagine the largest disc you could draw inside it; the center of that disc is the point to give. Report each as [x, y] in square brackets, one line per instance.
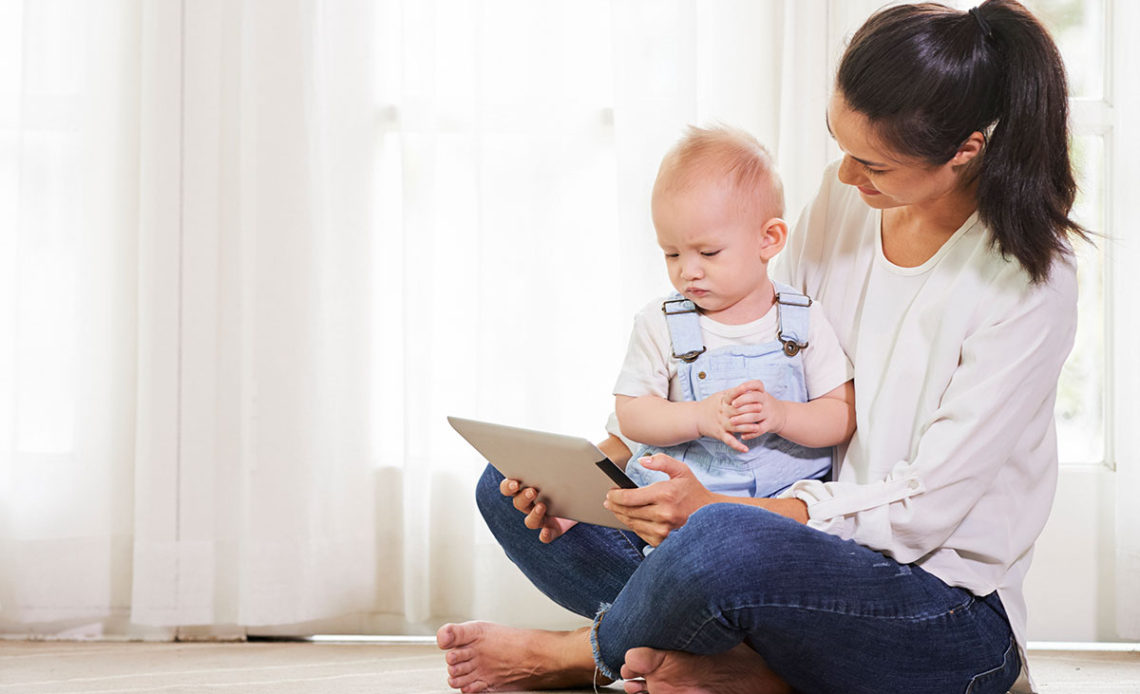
[709, 254]
[672, 255]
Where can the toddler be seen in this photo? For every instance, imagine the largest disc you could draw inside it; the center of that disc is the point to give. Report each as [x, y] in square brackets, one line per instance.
[742, 379]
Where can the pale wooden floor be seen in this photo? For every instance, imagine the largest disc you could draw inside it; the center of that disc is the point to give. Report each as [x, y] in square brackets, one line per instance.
[47, 667]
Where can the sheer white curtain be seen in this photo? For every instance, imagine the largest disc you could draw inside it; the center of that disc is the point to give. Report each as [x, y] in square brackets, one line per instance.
[256, 251]
[187, 315]
[253, 474]
[68, 243]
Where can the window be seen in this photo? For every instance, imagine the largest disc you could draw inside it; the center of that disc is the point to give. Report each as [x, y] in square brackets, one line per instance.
[1080, 28]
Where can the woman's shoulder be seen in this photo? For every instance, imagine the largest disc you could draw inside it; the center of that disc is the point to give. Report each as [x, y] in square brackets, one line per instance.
[1000, 287]
[1005, 273]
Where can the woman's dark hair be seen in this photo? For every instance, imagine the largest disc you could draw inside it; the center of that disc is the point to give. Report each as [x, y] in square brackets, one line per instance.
[928, 76]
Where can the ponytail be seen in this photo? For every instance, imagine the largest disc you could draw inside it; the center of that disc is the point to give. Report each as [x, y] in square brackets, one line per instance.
[928, 76]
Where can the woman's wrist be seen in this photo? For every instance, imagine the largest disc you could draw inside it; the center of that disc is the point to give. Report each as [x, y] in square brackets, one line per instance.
[796, 509]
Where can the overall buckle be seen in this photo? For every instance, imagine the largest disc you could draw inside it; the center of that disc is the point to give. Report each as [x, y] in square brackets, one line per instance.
[667, 312]
[691, 356]
[791, 347]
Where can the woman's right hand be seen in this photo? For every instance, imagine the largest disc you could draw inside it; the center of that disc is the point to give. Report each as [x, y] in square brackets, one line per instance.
[525, 499]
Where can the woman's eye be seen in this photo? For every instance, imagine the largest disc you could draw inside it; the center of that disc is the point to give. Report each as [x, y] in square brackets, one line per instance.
[873, 171]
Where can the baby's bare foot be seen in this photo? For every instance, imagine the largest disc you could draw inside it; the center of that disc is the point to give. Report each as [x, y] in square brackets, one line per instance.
[483, 657]
[739, 671]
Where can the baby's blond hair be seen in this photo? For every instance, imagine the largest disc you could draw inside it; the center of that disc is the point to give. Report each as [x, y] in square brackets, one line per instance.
[722, 152]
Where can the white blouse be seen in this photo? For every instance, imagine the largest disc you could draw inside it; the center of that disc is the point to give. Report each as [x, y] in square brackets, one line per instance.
[953, 465]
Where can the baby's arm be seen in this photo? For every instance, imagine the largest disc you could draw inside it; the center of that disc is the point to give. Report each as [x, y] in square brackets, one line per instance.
[828, 420]
[655, 421]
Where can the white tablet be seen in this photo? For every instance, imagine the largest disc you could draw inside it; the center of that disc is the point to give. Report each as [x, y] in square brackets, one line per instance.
[570, 473]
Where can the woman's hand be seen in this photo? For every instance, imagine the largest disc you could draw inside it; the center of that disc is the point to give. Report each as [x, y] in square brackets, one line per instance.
[657, 510]
[525, 500]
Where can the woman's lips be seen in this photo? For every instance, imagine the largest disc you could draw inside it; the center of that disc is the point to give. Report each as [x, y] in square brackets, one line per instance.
[868, 191]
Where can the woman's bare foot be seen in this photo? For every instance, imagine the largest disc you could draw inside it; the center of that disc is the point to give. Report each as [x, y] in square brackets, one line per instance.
[739, 671]
[483, 657]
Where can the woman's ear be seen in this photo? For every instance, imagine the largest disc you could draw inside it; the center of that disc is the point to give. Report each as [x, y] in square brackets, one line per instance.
[969, 149]
[773, 236]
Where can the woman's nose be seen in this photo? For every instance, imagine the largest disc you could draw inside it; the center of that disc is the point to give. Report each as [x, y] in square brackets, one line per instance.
[849, 172]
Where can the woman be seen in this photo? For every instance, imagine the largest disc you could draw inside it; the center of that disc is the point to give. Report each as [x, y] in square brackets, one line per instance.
[939, 249]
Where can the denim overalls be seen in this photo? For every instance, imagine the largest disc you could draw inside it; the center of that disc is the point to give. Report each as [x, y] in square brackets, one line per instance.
[771, 463]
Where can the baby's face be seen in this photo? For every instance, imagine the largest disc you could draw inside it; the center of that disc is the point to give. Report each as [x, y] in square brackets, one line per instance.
[712, 249]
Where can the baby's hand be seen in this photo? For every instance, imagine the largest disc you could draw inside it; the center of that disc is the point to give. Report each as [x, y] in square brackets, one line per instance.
[717, 417]
[757, 412]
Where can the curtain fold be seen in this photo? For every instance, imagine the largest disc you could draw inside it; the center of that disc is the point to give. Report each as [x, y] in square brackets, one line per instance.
[255, 476]
[68, 212]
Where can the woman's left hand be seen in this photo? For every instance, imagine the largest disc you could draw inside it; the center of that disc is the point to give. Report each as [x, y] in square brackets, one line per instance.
[660, 508]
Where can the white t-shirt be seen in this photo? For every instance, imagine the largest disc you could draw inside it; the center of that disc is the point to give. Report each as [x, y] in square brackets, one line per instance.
[953, 464]
[650, 369]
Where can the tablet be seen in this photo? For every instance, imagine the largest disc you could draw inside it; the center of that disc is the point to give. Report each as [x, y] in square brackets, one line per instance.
[570, 473]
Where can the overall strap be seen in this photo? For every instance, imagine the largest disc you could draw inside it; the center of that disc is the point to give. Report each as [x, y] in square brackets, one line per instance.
[684, 324]
[793, 318]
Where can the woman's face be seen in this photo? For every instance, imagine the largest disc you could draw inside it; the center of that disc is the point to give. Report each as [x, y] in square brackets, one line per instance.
[885, 178]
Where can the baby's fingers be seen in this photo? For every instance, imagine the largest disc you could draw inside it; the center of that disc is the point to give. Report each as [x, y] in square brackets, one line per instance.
[743, 418]
[758, 429]
[747, 431]
[750, 399]
[731, 441]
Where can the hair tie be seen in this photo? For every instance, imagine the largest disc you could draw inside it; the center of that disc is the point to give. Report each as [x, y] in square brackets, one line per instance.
[985, 26]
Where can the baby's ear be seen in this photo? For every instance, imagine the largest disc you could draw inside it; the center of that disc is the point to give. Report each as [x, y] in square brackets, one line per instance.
[773, 236]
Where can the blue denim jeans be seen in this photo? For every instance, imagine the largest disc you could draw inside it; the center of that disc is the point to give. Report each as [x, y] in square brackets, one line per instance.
[826, 614]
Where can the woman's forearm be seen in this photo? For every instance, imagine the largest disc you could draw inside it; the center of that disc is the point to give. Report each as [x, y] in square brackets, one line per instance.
[795, 509]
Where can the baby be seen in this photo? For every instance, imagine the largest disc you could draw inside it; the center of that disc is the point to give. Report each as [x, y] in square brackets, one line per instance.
[740, 378]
